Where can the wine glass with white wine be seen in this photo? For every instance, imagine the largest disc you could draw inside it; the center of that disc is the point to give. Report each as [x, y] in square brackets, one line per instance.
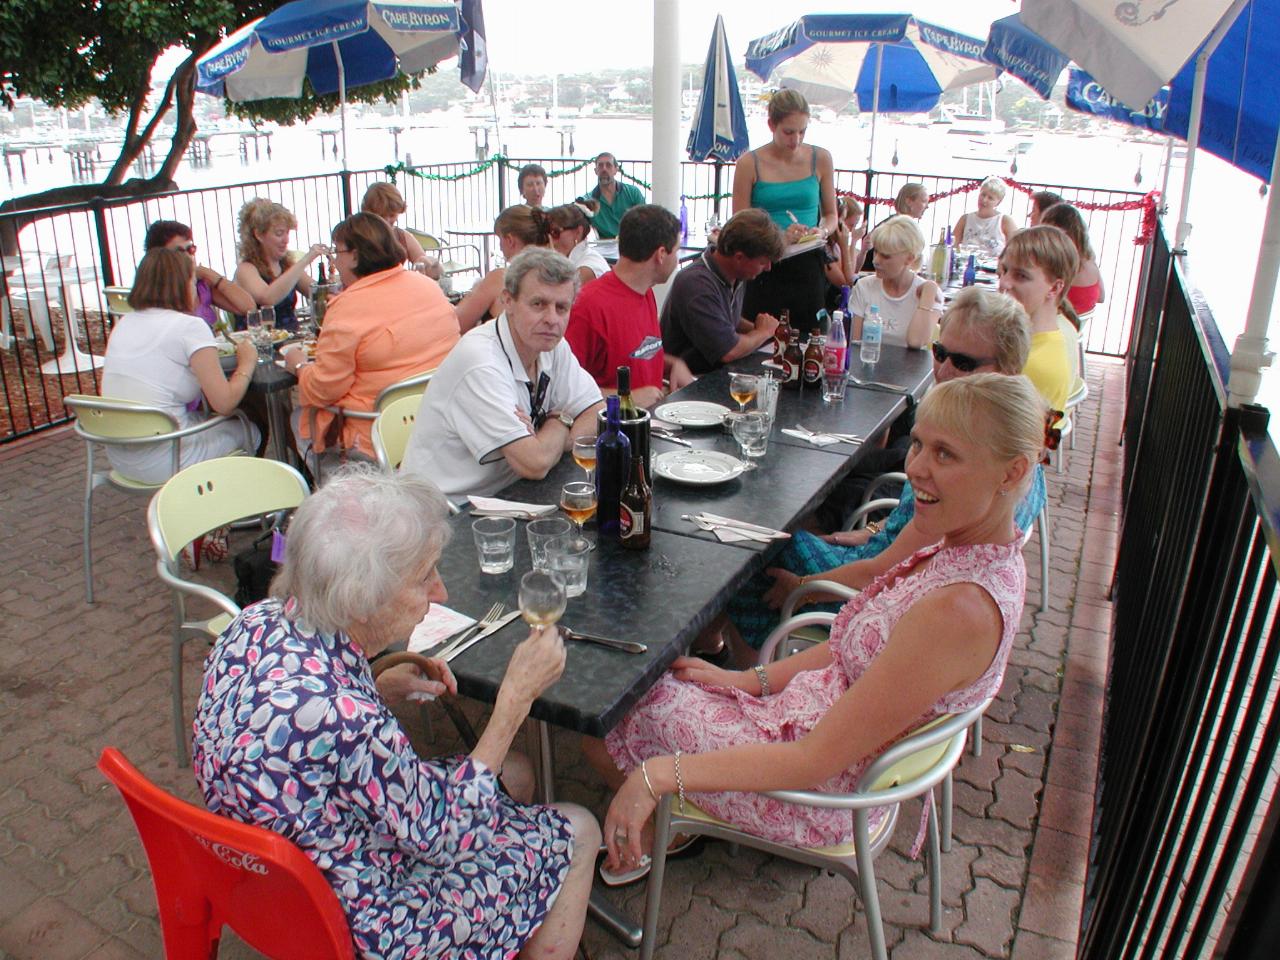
[742, 387]
[542, 599]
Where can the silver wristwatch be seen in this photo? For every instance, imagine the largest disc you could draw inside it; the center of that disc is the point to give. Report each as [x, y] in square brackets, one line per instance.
[565, 419]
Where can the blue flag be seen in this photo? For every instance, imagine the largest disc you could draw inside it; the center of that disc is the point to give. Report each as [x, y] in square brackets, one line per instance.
[474, 59]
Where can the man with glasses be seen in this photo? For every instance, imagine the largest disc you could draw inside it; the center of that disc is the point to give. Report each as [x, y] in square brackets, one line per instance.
[615, 198]
[510, 398]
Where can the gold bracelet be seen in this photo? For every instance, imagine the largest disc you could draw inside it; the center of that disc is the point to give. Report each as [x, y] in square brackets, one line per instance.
[647, 784]
[874, 526]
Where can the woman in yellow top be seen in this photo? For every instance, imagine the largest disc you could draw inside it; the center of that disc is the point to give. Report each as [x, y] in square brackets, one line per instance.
[386, 325]
[1036, 269]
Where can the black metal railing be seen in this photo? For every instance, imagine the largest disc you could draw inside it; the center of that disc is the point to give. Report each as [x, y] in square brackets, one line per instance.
[59, 266]
[1184, 817]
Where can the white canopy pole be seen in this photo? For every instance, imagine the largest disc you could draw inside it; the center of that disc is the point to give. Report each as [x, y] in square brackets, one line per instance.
[666, 103]
[342, 100]
[1250, 357]
[1197, 108]
[875, 107]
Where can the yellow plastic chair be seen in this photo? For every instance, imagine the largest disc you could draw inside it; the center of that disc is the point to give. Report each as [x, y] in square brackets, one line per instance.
[117, 300]
[910, 768]
[203, 497]
[414, 386]
[431, 244]
[123, 423]
[391, 431]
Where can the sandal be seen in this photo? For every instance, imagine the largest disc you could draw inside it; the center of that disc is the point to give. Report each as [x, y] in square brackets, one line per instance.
[686, 847]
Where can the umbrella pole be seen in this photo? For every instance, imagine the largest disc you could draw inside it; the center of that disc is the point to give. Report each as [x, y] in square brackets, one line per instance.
[875, 106]
[342, 100]
[1164, 185]
[1249, 357]
[1197, 108]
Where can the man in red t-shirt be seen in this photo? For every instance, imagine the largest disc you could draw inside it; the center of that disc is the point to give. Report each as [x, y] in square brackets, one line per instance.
[614, 321]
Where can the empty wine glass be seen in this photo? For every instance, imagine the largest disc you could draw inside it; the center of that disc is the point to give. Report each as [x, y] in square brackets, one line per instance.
[584, 455]
[751, 430]
[578, 500]
[542, 599]
[742, 387]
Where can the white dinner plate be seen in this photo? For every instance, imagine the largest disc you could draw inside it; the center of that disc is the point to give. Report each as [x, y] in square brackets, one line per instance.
[700, 468]
[692, 413]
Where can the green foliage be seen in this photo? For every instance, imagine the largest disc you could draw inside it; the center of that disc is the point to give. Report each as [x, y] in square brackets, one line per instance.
[289, 110]
[68, 52]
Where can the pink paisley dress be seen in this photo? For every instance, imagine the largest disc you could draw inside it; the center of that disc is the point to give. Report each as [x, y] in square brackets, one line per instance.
[678, 715]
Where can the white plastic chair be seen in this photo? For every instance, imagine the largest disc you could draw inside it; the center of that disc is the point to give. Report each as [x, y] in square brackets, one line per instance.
[203, 497]
[910, 768]
[124, 423]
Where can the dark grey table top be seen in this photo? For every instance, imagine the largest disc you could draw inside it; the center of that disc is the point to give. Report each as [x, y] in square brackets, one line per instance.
[694, 580]
[663, 597]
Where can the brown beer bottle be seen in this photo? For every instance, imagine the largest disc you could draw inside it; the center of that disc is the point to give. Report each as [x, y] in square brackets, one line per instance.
[635, 508]
[812, 372]
[780, 336]
[792, 362]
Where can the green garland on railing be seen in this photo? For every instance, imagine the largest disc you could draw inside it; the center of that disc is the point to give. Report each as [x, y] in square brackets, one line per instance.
[393, 170]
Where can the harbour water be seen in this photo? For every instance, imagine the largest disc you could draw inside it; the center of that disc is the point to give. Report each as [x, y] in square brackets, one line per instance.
[1226, 209]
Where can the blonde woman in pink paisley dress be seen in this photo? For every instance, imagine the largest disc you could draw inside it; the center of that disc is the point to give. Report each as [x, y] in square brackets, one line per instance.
[931, 636]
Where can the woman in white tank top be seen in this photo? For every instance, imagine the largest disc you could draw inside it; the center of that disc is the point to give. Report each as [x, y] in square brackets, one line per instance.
[987, 230]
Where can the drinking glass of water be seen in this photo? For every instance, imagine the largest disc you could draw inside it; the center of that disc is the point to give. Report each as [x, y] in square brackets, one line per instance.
[751, 430]
[567, 560]
[495, 543]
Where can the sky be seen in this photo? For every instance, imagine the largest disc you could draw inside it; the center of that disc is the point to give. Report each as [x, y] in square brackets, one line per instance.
[560, 36]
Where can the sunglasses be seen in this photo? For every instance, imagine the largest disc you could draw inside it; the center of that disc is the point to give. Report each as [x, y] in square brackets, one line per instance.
[189, 248]
[961, 361]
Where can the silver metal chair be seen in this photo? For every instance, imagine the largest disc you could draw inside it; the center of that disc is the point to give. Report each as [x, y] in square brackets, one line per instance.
[124, 423]
[910, 768]
[203, 497]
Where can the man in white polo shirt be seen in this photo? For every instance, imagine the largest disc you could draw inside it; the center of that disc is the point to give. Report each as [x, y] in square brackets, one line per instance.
[508, 400]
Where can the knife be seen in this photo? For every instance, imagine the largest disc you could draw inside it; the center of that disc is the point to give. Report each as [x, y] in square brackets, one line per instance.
[626, 646]
[670, 438]
[465, 643]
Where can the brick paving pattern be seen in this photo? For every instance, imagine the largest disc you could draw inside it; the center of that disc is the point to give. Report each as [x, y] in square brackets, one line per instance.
[74, 881]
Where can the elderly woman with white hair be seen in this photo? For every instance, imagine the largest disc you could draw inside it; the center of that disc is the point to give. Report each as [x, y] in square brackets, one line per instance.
[427, 857]
[986, 230]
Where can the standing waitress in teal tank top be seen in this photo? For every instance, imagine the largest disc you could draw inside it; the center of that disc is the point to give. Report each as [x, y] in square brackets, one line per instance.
[795, 184]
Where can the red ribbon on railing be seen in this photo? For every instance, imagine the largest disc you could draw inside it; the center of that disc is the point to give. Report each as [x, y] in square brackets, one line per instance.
[1149, 203]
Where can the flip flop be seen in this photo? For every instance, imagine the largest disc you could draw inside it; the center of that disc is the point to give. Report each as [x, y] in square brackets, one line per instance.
[641, 870]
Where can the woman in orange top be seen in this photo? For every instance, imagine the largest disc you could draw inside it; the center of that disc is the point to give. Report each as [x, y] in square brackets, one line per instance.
[386, 325]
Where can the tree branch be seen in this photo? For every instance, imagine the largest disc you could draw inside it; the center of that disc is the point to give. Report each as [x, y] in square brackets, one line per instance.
[183, 82]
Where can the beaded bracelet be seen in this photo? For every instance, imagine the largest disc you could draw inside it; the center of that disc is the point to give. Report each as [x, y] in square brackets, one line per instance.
[679, 782]
[648, 785]
[763, 678]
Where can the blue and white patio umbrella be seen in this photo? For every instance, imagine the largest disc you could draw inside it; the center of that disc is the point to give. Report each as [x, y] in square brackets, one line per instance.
[1015, 48]
[888, 62]
[336, 45]
[719, 124]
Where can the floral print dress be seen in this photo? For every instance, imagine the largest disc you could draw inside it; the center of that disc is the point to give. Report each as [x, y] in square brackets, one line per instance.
[429, 858]
[680, 715]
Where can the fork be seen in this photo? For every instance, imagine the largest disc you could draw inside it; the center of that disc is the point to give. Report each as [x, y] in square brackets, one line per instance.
[468, 632]
[878, 385]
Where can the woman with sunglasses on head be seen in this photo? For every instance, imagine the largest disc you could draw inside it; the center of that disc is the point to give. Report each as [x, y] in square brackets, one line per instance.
[570, 233]
[982, 332]
[212, 288]
[517, 227]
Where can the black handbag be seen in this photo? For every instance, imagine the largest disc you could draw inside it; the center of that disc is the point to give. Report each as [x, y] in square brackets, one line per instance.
[254, 570]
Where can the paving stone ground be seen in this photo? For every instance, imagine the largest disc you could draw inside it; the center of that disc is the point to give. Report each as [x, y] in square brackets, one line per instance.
[74, 880]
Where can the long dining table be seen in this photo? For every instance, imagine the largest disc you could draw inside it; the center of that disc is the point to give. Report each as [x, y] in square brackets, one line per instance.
[664, 596]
